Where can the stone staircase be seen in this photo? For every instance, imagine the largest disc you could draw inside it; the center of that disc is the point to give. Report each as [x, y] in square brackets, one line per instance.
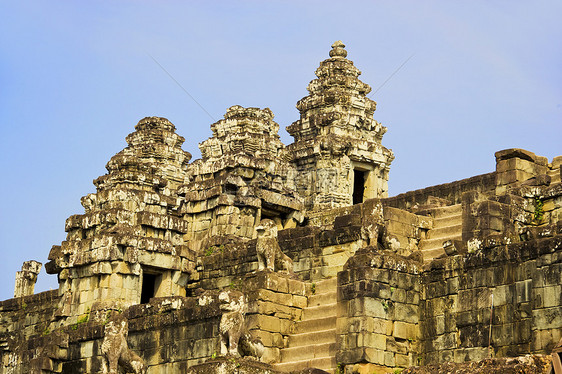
[447, 225]
[313, 343]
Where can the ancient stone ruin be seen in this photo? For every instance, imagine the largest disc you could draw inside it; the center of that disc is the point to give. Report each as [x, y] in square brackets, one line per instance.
[266, 258]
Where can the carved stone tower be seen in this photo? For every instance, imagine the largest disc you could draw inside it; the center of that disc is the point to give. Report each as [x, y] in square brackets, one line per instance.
[128, 245]
[337, 150]
[243, 175]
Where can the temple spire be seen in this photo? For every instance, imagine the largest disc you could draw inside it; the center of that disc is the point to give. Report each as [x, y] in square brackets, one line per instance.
[338, 50]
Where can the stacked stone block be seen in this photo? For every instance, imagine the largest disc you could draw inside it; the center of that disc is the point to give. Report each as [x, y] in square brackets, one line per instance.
[514, 166]
[276, 302]
[492, 303]
[378, 317]
[20, 318]
[405, 229]
[438, 313]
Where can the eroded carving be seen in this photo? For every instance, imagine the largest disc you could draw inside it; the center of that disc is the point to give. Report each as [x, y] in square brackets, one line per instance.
[269, 253]
[235, 338]
[116, 350]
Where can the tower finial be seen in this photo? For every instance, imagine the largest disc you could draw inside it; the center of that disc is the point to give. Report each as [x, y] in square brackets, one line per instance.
[338, 50]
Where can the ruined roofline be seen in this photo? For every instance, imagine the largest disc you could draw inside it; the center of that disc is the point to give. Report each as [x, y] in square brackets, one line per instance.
[483, 183]
[462, 185]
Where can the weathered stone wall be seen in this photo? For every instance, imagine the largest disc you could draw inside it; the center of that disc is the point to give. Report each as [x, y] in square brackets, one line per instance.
[519, 284]
[316, 255]
[378, 312]
[28, 315]
[405, 230]
[528, 364]
[484, 184]
[169, 334]
[21, 318]
[275, 302]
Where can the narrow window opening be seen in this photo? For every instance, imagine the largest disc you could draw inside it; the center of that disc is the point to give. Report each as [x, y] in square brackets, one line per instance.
[149, 286]
[358, 186]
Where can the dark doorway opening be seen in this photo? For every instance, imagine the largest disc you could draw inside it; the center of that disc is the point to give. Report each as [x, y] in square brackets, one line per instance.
[359, 178]
[149, 286]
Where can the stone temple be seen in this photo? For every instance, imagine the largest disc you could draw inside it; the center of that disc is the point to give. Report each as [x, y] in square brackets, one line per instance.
[262, 257]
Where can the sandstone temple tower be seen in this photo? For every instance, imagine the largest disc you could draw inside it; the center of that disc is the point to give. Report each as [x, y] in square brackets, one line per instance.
[128, 245]
[337, 150]
[264, 258]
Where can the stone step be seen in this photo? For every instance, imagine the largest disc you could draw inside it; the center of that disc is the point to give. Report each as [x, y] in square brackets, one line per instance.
[447, 221]
[331, 269]
[323, 298]
[428, 244]
[321, 311]
[325, 363]
[447, 211]
[318, 324]
[316, 337]
[326, 285]
[431, 254]
[445, 232]
[307, 353]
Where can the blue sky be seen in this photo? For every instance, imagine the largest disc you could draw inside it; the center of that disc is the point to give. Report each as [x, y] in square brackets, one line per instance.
[75, 77]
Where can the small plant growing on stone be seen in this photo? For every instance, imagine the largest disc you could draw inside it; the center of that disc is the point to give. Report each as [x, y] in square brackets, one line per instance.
[83, 319]
[235, 285]
[236, 364]
[340, 368]
[46, 332]
[385, 306]
[398, 371]
[210, 251]
[313, 288]
[107, 317]
[214, 355]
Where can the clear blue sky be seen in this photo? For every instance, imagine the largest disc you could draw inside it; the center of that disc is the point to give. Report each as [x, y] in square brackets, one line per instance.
[75, 77]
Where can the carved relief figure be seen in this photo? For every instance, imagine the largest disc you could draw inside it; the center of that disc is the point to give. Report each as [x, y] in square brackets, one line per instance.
[116, 349]
[269, 253]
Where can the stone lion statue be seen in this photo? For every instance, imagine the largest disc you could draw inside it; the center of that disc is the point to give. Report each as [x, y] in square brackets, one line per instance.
[235, 338]
[269, 253]
[116, 350]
